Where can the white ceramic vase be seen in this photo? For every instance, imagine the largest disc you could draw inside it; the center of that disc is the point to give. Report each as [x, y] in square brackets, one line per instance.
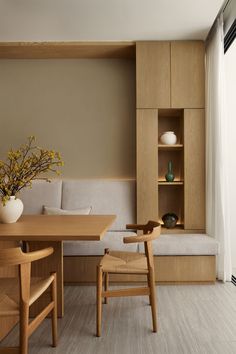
[168, 138]
[11, 211]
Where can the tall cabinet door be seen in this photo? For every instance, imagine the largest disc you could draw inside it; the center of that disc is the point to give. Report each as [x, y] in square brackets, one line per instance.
[147, 165]
[153, 74]
[187, 74]
[194, 169]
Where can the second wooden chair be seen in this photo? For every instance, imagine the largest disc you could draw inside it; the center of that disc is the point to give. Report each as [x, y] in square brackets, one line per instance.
[115, 262]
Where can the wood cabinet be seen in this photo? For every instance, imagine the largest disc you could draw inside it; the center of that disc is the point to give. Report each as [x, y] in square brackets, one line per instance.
[147, 162]
[183, 114]
[187, 74]
[153, 74]
[170, 74]
[194, 168]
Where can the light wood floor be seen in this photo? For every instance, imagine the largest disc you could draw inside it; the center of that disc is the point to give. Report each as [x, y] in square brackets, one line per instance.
[192, 319]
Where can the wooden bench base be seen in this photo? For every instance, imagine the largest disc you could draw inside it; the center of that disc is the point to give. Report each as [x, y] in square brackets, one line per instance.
[168, 269]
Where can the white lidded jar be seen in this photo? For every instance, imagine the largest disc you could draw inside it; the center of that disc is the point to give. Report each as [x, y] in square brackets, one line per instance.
[168, 138]
[11, 211]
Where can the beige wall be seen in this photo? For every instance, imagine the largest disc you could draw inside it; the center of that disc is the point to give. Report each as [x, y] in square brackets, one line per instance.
[83, 108]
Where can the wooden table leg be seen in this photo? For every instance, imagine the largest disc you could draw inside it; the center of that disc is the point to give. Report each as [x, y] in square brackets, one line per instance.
[7, 323]
[42, 268]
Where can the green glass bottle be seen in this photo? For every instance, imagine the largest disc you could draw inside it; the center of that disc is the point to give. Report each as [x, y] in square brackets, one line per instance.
[170, 175]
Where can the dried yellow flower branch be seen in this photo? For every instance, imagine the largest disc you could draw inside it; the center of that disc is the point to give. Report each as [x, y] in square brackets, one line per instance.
[24, 165]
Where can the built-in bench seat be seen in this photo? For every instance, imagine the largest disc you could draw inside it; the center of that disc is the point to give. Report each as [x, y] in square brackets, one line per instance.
[165, 245]
[178, 257]
[184, 245]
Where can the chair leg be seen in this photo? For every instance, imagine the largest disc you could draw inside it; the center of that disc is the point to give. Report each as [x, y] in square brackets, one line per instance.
[106, 278]
[106, 284]
[153, 300]
[54, 311]
[99, 300]
[148, 281]
[24, 321]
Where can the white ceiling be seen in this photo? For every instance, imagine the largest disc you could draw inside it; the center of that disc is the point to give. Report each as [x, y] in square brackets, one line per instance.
[106, 19]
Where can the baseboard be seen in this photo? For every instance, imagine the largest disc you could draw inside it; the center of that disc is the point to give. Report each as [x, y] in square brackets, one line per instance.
[168, 270]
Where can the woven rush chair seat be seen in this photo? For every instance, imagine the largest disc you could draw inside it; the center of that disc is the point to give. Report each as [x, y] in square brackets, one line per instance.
[124, 262]
[9, 293]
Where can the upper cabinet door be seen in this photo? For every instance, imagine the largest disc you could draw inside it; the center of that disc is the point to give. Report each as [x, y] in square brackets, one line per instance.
[187, 74]
[153, 74]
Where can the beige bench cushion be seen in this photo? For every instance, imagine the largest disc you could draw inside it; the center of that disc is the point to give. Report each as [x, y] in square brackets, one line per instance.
[184, 244]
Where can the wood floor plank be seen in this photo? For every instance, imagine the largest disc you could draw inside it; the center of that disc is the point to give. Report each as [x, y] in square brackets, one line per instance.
[192, 319]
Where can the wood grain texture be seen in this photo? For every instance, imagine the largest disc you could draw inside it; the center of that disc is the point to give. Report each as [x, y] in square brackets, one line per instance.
[194, 168]
[171, 200]
[147, 162]
[171, 121]
[63, 50]
[177, 158]
[130, 263]
[18, 294]
[11, 350]
[185, 268]
[52, 264]
[7, 323]
[170, 269]
[51, 230]
[57, 227]
[187, 74]
[179, 229]
[8, 272]
[153, 74]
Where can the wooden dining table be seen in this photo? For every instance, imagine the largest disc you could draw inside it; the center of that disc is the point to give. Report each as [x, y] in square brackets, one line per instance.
[41, 231]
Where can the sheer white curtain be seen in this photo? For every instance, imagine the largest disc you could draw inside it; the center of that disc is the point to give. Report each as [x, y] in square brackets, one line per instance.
[217, 218]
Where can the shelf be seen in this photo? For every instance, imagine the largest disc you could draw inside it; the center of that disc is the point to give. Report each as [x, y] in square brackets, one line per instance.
[174, 183]
[67, 50]
[170, 147]
[179, 228]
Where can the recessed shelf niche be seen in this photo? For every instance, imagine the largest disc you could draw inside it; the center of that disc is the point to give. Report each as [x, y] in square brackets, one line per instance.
[171, 194]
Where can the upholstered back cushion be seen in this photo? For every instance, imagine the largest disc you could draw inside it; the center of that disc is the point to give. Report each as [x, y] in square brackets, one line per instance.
[104, 196]
[42, 193]
[59, 211]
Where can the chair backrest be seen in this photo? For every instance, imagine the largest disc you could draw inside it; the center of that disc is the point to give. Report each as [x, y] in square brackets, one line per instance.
[151, 231]
[15, 256]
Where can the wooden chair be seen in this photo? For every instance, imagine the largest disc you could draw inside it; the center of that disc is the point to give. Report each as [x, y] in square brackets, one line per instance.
[17, 295]
[129, 263]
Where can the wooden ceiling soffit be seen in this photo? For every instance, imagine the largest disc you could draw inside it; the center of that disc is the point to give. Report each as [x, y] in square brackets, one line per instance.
[67, 50]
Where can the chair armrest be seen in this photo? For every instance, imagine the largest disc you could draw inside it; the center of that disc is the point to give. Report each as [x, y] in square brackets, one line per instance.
[15, 256]
[135, 227]
[151, 231]
[147, 227]
[136, 239]
[36, 255]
